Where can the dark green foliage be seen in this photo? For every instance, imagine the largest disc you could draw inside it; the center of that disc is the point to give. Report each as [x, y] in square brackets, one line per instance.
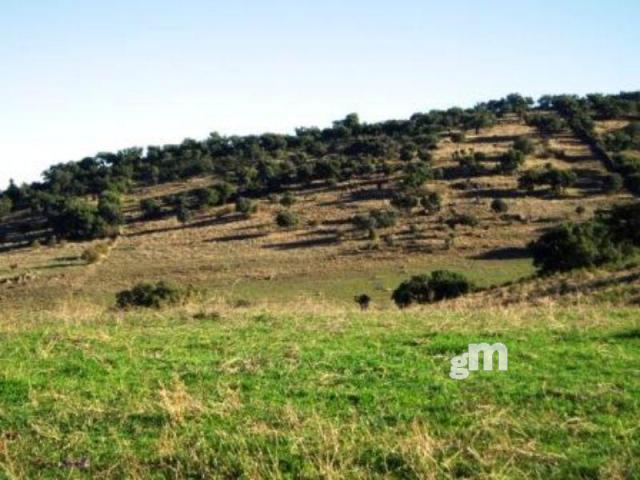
[78, 220]
[524, 145]
[573, 246]
[225, 191]
[479, 118]
[440, 285]
[6, 206]
[623, 223]
[510, 161]
[462, 219]
[150, 295]
[363, 301]
[404, 200]
[286, 219]
[608, 237]
[613, 183]
[558, 180]
[458, 137]
[470, 163]
[110, 208]
[432, 202]
[498, 205]
[548, 123]
[415, 174]
[245, 206]
[151, 209]
[206, 197]
[184, 215]
[287, 199]
[375, 219]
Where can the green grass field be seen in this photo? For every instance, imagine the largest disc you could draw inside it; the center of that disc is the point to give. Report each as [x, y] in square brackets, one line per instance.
[342, 394]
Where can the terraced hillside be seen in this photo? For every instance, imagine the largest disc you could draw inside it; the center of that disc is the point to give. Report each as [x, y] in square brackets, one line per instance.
[248, 258]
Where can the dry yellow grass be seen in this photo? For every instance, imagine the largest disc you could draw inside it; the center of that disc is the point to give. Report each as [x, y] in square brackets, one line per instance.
[234, 255]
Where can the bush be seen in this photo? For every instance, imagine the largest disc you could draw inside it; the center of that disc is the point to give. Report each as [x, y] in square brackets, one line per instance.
[462, 219]
[206, 197]
[524, 145]
[78, 220]
[110, 208]
[613, 183]
[287, 199]
[363, 301]
[245, 206]
[404, 201]
[432, 202]
[184, 215]
[498, 205]
[6, 206]
[510, 161]
[149, 295]
[95, 253]
[547, 123]
[458, 137]
[151, 209]
[573, 246]
[375, 219]
[286, 219]
[440, 285]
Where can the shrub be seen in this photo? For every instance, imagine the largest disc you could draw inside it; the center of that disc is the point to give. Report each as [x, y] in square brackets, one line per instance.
[458, 137]
[287, 199]
[184, 215]
[151, 209]
[206, 197]
[440, 285]
[375, 219]
[245, 206]
[286, 219]
[547, 123]
[432, 202]
[149, 295]
[404, 201]
[510, 161]
[529, 179]
[559, 180]
[498, 205]
[110, 208]
[613, 183]
[573, 246]
[462, 219]
[363, 301]
[524, 145]
[95, 253]
[6, 206]
[78, 220]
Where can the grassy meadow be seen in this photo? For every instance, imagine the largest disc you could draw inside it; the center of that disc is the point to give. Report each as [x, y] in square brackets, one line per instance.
[315, 391]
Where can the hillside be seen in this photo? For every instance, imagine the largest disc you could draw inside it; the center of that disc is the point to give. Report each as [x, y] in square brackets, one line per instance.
[323, 257]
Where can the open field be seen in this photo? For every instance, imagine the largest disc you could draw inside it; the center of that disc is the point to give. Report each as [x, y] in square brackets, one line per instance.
[205, 392]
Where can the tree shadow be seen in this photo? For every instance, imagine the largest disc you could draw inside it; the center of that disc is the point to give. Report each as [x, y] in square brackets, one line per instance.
[314, 242]
[237, 237]
[506, 253]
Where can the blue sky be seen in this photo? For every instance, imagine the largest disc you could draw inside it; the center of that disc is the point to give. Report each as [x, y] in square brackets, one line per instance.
[78, 77]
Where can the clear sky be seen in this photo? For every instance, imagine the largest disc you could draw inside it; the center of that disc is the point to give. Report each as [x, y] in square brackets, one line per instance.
[82, 76]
